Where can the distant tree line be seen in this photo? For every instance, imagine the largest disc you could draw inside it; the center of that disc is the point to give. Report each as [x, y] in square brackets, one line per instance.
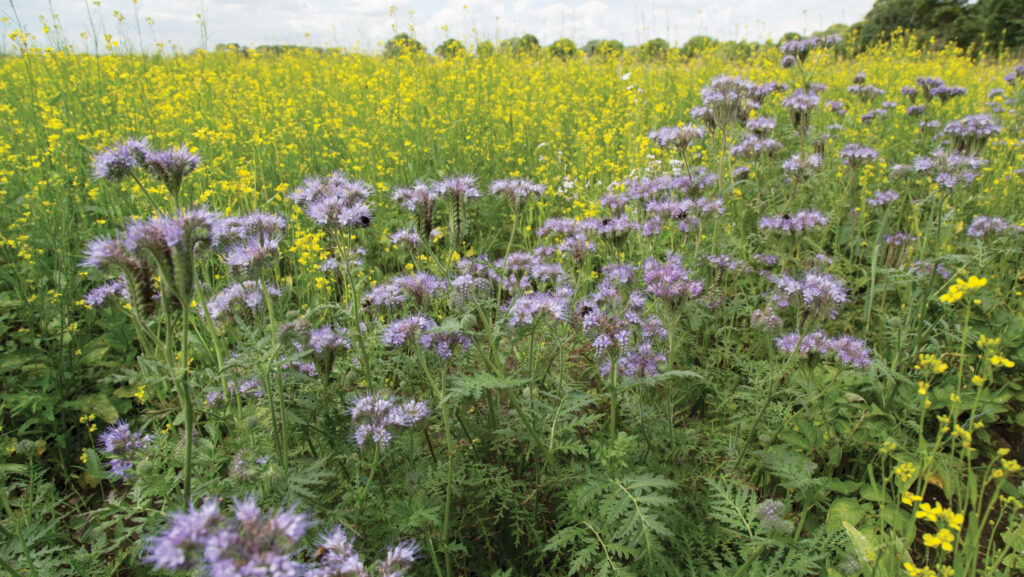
[989, 23]
[997, 23]
[657, 49]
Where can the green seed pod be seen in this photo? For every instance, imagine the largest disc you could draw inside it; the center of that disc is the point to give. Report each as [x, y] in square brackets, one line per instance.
[183, 267]
[139, 279]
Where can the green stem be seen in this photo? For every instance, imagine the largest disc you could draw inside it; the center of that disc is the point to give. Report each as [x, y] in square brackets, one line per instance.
[450, 445]
[614, 398]
[186, 399]
[874, 269]
[373, 469]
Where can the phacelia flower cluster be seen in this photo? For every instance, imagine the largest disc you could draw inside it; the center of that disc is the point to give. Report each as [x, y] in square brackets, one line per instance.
[339, 558]
[163, 246]
[240, 301]
[250, 243]
[248, 543]
[850, 351]
[798, 222]
[335, 201]
[814, 290]
[169, 166]
[983, 226]
[374, 416]
[247, 388]
[123, 446]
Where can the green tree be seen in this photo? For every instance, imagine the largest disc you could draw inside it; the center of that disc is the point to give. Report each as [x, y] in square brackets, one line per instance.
[944, 20]
[603, 48]
[563, 48]
[655, 49]
[403, 44]
[525, 45]
[694, 46]
[1002, 22]
[485, 49]
[450, 48]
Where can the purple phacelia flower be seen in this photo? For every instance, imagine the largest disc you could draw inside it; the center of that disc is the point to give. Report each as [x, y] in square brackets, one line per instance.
[882, 198]
[801, 47]
[726, 262]
[800, 167]
[247, 388]
[677, 137]
[417, 197]
[819, 291]
[335, 201]
[256, 225]
[116, 163]
[405, 331]
[559, 226]
[340, 559]
[375, 414]
[102, 294]
[420, 286]
[950, 170]
[792, 224]
[445, 342]
[800, 104]
[528, 307]
[640, 361]
[578, 246]
[762, 125]
[516, 190]
[105, 253]
[252, 254]
[328, 339]
[249, 543]
[849, 350]
[971, 132]
[240, 300]
[171, 166]
[857, 155]
[866, 92]
[120, 442]
[761, 91]
[898, 239]
[406, 238]
[869, 116]
[670, 281]
[946, 93]
[459, 188]
[727, 97]
[837, 107]
[983, 226]
[766, 319]
[926, 269]
[754, 146]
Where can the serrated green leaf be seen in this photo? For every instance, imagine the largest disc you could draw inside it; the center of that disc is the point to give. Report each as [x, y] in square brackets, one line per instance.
[843, 510]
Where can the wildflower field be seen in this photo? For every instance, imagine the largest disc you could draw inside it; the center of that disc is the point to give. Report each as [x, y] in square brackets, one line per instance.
[334, 314]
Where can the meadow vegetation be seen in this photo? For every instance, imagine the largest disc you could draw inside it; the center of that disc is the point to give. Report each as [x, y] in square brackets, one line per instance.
[512, 312]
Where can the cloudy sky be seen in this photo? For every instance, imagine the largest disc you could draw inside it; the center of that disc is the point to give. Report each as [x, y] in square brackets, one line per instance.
[366, 24]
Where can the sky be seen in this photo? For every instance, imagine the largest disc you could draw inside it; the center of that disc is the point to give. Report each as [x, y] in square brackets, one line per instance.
[366, 24]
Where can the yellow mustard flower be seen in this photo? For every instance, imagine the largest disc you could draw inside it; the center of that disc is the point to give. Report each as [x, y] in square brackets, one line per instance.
[943, 539]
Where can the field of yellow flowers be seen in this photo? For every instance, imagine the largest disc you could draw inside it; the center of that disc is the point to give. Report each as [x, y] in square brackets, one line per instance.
[557, 411]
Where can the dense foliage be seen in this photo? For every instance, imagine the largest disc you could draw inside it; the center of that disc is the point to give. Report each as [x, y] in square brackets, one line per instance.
[999, 23]
[488, 315]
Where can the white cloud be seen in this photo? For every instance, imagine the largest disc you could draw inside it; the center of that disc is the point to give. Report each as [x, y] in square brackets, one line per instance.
[369, 23]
